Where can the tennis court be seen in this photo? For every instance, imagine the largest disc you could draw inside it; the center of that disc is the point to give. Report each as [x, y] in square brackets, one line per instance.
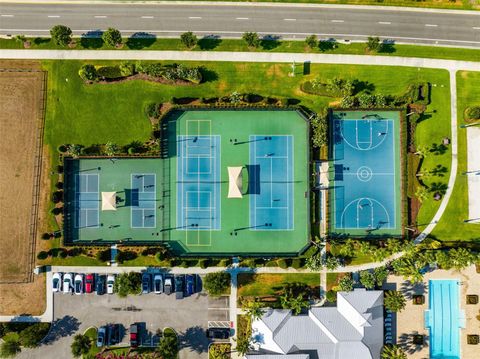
[366, 173]
[271, 203]
[143, 201]
[87, 200]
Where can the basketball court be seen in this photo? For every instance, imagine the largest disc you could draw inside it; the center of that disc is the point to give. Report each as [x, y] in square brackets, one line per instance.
[366, 173]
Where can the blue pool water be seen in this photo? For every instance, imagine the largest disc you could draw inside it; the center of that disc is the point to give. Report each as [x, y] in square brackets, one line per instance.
[444, 319]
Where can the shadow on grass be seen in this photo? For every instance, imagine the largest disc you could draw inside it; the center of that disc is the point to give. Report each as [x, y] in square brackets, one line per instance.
[140, 40]
[40, 41]
[327, 45]
[92, 39]
[208, 75]
[270, 42]
[209, 42]
[387, 47]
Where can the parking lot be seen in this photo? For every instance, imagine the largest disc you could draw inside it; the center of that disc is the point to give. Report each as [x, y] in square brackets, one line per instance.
[189, 317]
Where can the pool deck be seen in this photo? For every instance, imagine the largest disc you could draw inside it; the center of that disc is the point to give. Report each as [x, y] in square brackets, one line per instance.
[411, 320]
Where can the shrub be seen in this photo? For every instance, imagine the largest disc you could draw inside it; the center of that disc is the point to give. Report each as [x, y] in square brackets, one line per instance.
[46, 236]
[331, 296]
[61, 35]
[225, 262]
[152, 110]
[112, 37]
[154, 70]
[109, 72]
[127, 69]
[76, 251]
[123, 256]
[87, 73]
[349, 102]
[366, 100]
[57, 210]
[42, 255]
[296, 263]
[9, 347]
[282, 263]
[252, 39]
[473, 113]
[189, 39]
[203, 263]
[272, 263]
[311, 41]
[252, 98]
[160, 256]
[104, 255]
[216, 283]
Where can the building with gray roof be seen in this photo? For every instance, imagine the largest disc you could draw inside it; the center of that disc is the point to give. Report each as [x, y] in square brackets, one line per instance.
[352, 329]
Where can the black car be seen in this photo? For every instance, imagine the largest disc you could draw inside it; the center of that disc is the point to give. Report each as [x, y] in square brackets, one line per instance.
[179, 280]
[113, 334]
[146, 283]
[218, 333]
[100, 285]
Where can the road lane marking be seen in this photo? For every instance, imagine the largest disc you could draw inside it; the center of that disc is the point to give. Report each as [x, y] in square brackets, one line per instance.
[385, 22]
[431, 25]
[337, 21]
[242, 18]
[194, 17]
[476, 28]
[147, 17]
[53, 16]
[290, 19]
[99, 16]
[5, 15]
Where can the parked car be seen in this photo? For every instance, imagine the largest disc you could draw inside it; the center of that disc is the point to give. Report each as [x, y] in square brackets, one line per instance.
[110, 283]
[57, 282]
[100, 285]
[68, 283]
[158, 283]
[89, 283]
[189, 284]
[168, 285]
[78, 284]
[102, 336]
[218, 333]
[134, 335]
[113, 334]
[146, 282]
[179, 286]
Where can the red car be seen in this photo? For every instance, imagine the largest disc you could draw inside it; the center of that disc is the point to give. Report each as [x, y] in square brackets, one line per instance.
[89, 283]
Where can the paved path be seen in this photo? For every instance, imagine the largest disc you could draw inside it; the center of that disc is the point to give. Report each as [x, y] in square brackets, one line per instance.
[292, 21]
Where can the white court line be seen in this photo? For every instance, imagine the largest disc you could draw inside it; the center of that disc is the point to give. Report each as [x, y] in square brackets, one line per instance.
[146, 17]
[100, 16]
[289, 19]
[338, 21]
[7, 15]
[242, 18]
[476, 28]
[194, 17]
[55, 16]
[431, 25]
[384, 22]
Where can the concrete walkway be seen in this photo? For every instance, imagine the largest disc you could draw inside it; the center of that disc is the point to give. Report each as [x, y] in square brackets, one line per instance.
[238, 57]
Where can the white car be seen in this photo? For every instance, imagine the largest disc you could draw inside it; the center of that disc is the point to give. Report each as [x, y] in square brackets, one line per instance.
[68, 283]
[78, 284]
[57, 282]
[110, 283]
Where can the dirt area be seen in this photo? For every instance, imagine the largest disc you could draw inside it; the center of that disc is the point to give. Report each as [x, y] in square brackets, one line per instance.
[21, 115]
[23, 298]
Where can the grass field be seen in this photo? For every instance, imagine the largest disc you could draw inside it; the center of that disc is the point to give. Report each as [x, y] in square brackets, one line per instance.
[21, 118]
[270, 284]
[451, 226]
[206, 44]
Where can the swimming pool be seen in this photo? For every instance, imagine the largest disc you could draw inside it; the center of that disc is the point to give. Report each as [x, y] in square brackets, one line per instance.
[444, 319]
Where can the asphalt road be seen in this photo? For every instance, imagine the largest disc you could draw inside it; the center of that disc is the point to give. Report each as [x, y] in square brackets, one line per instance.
[288, 22]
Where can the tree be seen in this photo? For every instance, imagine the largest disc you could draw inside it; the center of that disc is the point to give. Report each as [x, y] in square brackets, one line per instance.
[61, 35]
[319, 123]
[235, 97]
[31, 336]
[80, 345]
[294, 303]
[9, 347]
[462, 257]
[216, 283]
[421, 151]
[189, 39]
[394, 301]
[314, 263]
[345, 284]
[393, 352]
[473, 113]
[168, 346]
[348, 248]
[381, 274]
[367, 279]
[112, 37]
[252, 39]
[332, 262]
[311, 41]
[254, 309]
[373, 43]
[128, 283]
[244, 345]
[421, 193]
[349, 102]
[88, 73]
[74, 150]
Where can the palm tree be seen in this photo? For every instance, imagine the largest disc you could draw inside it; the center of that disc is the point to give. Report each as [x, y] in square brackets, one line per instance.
[393, 352]
[394, 301]
[422, 151]
[243, 346]
[254, 310]
[421, 193]
[80, 345]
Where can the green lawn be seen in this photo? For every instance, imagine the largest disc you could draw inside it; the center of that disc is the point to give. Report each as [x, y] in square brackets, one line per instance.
[356, 48]
[269, 284]
[451, 227]
[92, 334]
[72, 261]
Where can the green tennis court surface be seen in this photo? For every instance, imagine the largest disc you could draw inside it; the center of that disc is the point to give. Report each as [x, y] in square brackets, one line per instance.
[188, 198]
[366, 189]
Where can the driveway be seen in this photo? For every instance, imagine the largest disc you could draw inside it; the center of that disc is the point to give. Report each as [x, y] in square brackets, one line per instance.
[75, 313]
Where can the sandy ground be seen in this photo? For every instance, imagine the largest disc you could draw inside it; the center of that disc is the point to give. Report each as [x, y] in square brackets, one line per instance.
[411, 320]
[473, 173]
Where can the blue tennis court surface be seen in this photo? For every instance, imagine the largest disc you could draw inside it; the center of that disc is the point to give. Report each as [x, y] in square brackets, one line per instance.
[271, 182]
[143, 200]
[198, 186]
[87, 201]
[366, 170]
